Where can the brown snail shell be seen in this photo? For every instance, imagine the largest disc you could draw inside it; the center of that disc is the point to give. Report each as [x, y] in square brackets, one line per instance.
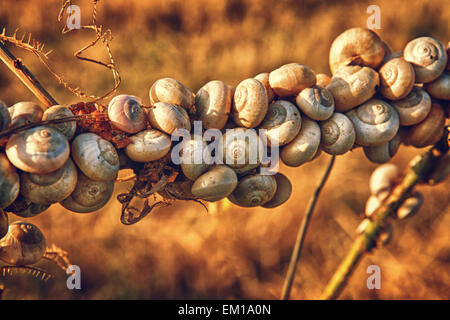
[125, 113]
[414, 108]
[96, 157]
[338, 134]
[440, 88]
[254, 190]
[283, 192]
[148, 145]
[322, 80]
[9, 182]
[282, 122]
[428, 58]
[23, 113]
[171, 91]
[24, 244]
[250, 103]
[213, 103]
[397, 79]
[167, 117]
[384, 152]
[264, 79]
[383, 179]
[24, 208]
[290, 79]
[5, 117]
[352, 86]
[4, 223]
[192, 159]
[215, 184]
[316, 102]
[356, 46]
[38, 150]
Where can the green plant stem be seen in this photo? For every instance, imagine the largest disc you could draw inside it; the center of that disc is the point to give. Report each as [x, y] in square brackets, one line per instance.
[295, 257]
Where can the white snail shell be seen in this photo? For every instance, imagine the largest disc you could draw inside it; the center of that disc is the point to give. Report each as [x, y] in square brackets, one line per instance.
[125, 113]
[23, 113]
[24, 244]
[440, 88]
[5, 117]
[372, 204]
[282, 194]
[9, 182]
[397, 79]
[338, 134]
[193, 163]
[148, 145]
[290, 79]
[167, 117]
[428, 58]
[414, 108]
[57, 112]
[213, 103]
[282, 122]
[383, 179]
[254, 190]
[316, 102]
[250, 103]
[304, 146]
[264, 79]
[375, 122]
[96, 157]
[384, 152]
[215, 184]
[38, 150]
[410, 206]
[171, 91]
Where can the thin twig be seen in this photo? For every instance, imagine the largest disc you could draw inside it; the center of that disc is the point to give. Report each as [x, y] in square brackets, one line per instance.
[302, 232]
[420, 169]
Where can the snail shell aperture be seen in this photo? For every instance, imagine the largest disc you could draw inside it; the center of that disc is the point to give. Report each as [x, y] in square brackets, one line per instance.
[316, 102]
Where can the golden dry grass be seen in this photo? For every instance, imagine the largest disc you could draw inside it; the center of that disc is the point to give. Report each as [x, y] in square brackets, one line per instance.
[182, 251]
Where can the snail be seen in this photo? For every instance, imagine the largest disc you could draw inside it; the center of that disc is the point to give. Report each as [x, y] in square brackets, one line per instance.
[23, 113]
[213, 103]
[316, 102]
[4, 223]
[9, 182]
[89, 195]
[192, 161]
[440, 88]
[427, 56]
[96, 157]
[383, 179]
[410, 206]
[290, 79]
[254, 190]
[26, 209]
[125, 113]
[171, 91]
[429, 131]
[215, 184]
[5, 117]
[38, 150]
[338, 134]
[391, 55]
[250, 103]
[352, 86]
[49, 188]
[322, 80]
[24, 244]
[375, 122]
[264, 79]
[282, 122]
[356, 46]
[383, 152]
[282, 194]
[396, 79]
[167, 117]
[57, 112]
[414, 108]
[148, 145]
[304, 146]
[385, 235]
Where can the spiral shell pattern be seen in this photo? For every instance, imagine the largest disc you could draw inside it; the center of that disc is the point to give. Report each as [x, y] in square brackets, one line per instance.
[250, 103]
[316, 102]
[57, 112]
[254, 190]
[397, 79]
[338, 134]
[414, 108]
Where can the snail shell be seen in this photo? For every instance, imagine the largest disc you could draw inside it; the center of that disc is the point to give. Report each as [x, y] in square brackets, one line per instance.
[23, 113]
[414, 108]
[382, 180]
[428, 58]
[264, 79]
[316, 102]
[171, 91]
[57, 112]
[322, 80]
[4, 223]
[192, 161]
[250, 103]
[38, 150]
[213, 103]
[24, 244]
[9, 182]
[410, 206]
[215, 184]
[440, 88]
[96, 157]
[338, 134]
[304, 146]
[125, 113]
[290, 79]
[27, 208]
[396, 79]
[375, 122]
[356, 46]
[283, 192]
[254, 190]
[148, 145]
[89, 195]
[430, 130]
[384, 152]
[282, 122]
[352, 86]
[51, 187]
[5, 117]
[167, 117]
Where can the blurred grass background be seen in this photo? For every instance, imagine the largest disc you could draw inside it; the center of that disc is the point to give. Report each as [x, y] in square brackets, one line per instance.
[182, 251]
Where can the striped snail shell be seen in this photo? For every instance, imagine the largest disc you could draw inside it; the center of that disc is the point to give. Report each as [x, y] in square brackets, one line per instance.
[9, 182]
[148, 145]
[171, 91]
[414, 108]
[282, 194]
[397, 79]
[167, 117]
[338, 134]
[125, 113]
[213, 103]
[5, 117]
[215, 184]
[57, 112]
[316, 102]
[250, 103]
[290, 79]
[254, 190]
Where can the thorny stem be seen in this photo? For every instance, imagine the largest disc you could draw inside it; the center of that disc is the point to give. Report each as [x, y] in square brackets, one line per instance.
[420, 169]
[295, 257]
